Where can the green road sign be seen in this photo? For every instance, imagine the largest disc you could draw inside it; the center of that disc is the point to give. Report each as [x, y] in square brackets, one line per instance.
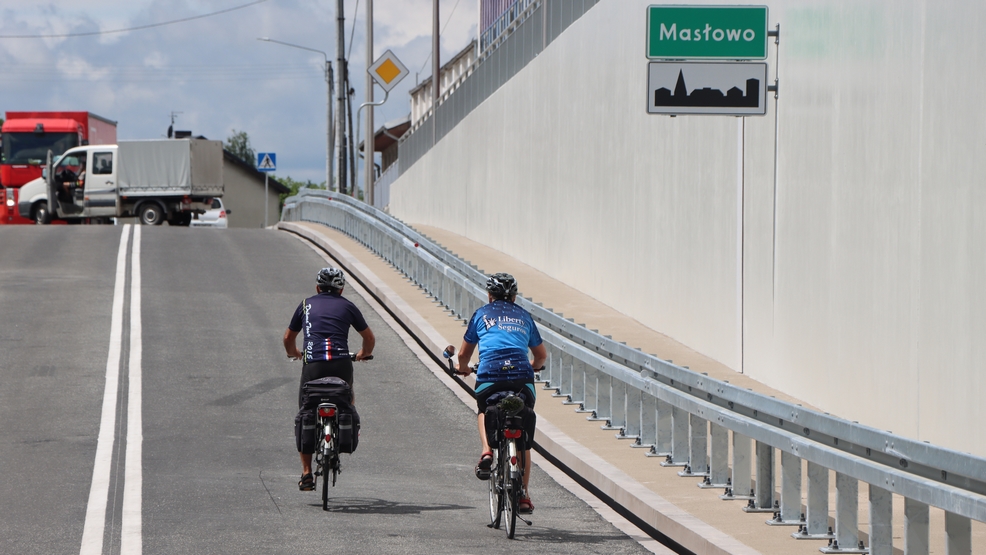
[707, 32]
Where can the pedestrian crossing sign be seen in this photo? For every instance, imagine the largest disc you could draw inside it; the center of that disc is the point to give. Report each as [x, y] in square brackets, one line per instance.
[266, 161]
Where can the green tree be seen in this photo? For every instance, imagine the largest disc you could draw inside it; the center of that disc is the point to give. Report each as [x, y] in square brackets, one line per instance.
[239, 144]
[294, 186]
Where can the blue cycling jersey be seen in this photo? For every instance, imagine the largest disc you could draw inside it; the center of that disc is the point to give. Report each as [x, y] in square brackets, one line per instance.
[504, 332]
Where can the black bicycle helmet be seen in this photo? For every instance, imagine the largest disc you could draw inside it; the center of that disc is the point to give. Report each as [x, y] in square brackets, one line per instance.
[331, 278]
[501, 286]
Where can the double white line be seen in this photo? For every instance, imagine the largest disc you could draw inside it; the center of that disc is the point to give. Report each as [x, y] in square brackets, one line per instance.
[93, 531]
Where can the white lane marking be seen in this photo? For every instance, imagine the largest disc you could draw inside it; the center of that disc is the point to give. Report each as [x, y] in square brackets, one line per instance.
[130, 529]
[92, 531]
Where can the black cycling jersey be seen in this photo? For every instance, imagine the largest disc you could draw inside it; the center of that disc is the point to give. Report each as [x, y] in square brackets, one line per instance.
[324, 320]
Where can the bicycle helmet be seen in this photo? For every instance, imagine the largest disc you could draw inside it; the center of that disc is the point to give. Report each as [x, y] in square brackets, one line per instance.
[501, 286]
[330, 279]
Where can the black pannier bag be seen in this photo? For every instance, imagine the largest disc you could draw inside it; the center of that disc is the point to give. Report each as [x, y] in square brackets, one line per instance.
[304, 431]
[495, 418]
[328, 390]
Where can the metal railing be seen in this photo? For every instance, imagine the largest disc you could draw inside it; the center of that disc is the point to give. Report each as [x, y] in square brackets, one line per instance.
[691, 420]
[524, 37]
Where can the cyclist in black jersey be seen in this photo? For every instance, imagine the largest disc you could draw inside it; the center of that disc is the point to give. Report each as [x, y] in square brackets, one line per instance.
[324, 321]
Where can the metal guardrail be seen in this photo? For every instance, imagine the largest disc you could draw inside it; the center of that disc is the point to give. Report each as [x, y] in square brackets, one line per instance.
[687, 418]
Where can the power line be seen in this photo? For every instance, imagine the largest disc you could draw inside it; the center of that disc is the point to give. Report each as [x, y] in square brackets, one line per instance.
[176, 73]
[138, 28]
[451, 13]
[352, 33]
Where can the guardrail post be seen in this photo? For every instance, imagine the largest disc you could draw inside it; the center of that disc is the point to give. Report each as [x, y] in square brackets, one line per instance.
[698, 447]
[846, 517]
[648, 422]
[632, 428]
[552, 367]
[665, 431]
[790, 513]
[741, 483]
[590, 377]
[817, 525]
[764, 501]
[604, 394]
[679, 438]
[881, 521]
[578, 384]
[719, 457]
[618, 405]
[443, 290]
[564, 384]
[457, 307]
[958, 535]
[915, 527]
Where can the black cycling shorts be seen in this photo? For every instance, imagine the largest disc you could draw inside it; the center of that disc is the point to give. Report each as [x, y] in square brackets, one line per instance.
[530, 419]
[341, 368]
[521, 385]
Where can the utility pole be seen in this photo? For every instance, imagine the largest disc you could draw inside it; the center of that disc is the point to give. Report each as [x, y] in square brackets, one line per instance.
[341, 96]
[368, 146]
[435, 66]
[328, 106]
[329, 142]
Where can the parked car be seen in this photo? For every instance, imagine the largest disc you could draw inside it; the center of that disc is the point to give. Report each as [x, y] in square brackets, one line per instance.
[214, 217]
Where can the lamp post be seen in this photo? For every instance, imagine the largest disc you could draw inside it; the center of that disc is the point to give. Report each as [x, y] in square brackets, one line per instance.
[368, 147]
[329, 143]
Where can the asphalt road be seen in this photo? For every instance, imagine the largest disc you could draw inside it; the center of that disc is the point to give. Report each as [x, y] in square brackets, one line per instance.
[219, 469]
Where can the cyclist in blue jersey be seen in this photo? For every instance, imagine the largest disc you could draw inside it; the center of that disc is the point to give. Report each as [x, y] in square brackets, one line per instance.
[325, 320]
[504, 332]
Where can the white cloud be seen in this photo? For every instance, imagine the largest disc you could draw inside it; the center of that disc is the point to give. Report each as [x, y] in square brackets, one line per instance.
[213, 69]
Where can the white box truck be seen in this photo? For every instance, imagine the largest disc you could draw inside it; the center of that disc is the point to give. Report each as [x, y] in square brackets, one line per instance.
[154, 180]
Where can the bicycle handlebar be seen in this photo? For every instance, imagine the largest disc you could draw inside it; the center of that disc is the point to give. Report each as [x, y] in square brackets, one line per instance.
[449, 352]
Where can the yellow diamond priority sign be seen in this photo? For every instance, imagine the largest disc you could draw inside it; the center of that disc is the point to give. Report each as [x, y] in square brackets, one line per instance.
[387, 71]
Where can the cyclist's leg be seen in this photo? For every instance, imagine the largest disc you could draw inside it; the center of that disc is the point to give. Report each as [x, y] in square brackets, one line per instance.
[481, 419]
[306, 463]
[530, 425]
[483, 392]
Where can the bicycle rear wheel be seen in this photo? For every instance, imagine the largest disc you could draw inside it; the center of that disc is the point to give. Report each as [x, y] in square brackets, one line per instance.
[496, 496]
[511, 496]
[325, 488]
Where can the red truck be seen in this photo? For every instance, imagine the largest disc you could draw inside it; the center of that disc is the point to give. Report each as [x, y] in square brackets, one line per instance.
[28, 136]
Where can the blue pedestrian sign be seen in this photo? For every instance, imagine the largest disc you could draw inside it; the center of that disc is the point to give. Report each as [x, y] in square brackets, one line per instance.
[266, 161]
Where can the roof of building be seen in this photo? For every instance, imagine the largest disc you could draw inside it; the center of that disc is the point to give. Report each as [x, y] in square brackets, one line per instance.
[389, 133]
[462, 53]
[252, 171]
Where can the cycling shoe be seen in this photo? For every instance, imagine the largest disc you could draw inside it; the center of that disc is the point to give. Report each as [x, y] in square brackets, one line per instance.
[483, 466]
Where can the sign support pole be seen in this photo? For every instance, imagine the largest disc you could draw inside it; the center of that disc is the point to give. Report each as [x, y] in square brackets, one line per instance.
[266, 197]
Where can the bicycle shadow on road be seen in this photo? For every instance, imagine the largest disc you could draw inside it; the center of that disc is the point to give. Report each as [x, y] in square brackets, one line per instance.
[370, 506]
[547, 535]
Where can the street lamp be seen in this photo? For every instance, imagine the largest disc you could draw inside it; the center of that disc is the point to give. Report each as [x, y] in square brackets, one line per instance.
[329, 143]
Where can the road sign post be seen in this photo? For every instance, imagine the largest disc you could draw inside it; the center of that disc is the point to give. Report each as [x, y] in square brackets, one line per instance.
[266, 162]
[387, 72]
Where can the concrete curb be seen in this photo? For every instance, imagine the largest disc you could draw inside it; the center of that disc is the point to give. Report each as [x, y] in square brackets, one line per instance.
[675, 523]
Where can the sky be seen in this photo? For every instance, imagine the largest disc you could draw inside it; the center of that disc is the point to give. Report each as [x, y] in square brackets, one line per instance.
[212, 71]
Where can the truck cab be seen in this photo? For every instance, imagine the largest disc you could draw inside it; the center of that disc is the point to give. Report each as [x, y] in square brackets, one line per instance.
[84, 180]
